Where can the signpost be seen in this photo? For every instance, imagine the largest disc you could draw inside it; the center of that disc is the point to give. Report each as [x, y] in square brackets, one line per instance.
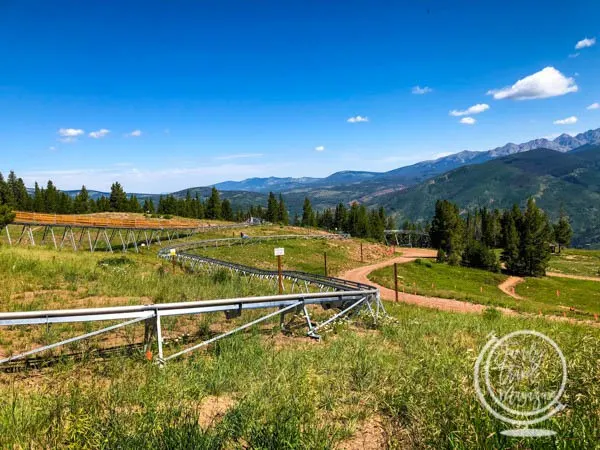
[279, 252]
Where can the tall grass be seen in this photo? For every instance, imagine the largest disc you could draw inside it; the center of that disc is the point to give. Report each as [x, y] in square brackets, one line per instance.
[415, 375]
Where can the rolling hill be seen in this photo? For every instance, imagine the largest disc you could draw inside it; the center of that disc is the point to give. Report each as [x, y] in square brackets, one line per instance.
[554, 179]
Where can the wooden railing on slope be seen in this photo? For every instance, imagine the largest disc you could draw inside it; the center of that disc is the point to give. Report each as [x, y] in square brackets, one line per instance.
[104, 222]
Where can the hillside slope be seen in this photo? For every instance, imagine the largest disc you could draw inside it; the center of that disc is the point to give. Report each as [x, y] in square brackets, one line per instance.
[552, 178]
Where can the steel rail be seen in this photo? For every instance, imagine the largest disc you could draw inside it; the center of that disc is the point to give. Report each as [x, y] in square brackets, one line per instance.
[346, 296]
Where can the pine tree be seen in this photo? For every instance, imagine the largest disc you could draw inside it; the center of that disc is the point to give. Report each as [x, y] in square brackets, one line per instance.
[50, 198]
[510, 237]
[308, 216]
[213, 205]
[283, 215]
[6, 216]
[148, 206]
[447, 232]
[535, 235]
[272, 209]
[563, 231]
[81, 203]
[340, 218]
[118, 198]
[226, 212]
[38, 198]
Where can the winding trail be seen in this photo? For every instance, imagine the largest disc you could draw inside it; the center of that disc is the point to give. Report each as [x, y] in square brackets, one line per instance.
[573, 277]
[360, 275]
[508, 286]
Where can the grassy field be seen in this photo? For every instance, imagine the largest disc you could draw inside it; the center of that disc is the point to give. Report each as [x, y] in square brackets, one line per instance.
[302, 254]
[404, 384]
[576, 262]
[479, 286]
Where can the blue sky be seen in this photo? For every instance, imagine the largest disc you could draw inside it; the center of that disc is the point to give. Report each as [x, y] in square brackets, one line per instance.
[196, 92]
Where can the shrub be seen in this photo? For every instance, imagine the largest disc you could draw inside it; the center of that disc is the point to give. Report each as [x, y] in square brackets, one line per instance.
[480, 256]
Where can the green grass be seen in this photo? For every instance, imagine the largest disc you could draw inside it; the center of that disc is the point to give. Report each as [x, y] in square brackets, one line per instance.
[584, 296]
[426, 277]
[415, 376]
[301, 254]
[576, 262]
[479, 286]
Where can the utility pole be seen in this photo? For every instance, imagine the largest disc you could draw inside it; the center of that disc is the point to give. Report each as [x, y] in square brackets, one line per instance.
[362, 260]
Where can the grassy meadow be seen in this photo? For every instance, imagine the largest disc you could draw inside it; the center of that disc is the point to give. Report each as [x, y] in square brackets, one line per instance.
[405, 383]
[302, 254]
[479, 286]
[576, 262]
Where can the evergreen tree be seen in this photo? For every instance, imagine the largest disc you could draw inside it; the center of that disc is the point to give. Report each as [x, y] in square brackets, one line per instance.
[340, 218]
[213, 205]
[50, 198]
[447, 232]
[118, 198]
[510, 236]
[308, 216]
[563, 231]
[149, 206]
[283, 215]
[6, 216]
[272, 209]
[226, 212]
[81, 203]
[535, 235]
[38, 198]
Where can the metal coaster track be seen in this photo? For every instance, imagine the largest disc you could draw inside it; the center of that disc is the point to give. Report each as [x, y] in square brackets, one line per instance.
[345, 297]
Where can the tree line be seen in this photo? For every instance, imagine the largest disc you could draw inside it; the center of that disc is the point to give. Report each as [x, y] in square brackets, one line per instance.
[355, 219]
[525, 237]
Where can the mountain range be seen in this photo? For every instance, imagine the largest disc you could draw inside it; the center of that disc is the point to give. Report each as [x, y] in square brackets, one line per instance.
[562, 172]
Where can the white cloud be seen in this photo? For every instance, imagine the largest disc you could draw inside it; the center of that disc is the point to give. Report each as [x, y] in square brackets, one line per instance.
[468, 121]
[594, 106]
[135, 133]
[548, 82]
[70, 132]
[585, 43]
[99, 134]
[357, 119]
[441, 155]
[573, 55]
[320, 148]
[475, 109]
[52, 148]
[239, 156]
[568, 121]
[418, 90]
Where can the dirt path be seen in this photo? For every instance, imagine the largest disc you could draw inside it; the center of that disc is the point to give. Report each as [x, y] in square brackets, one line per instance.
[360, 274]
[573, 277]
[508, 286]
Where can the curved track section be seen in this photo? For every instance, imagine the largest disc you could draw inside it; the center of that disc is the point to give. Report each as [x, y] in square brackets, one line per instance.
[302, 290]
[193, 261]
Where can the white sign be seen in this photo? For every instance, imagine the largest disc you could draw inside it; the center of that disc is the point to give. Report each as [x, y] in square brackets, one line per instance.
[172, 252]
[279, 251]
